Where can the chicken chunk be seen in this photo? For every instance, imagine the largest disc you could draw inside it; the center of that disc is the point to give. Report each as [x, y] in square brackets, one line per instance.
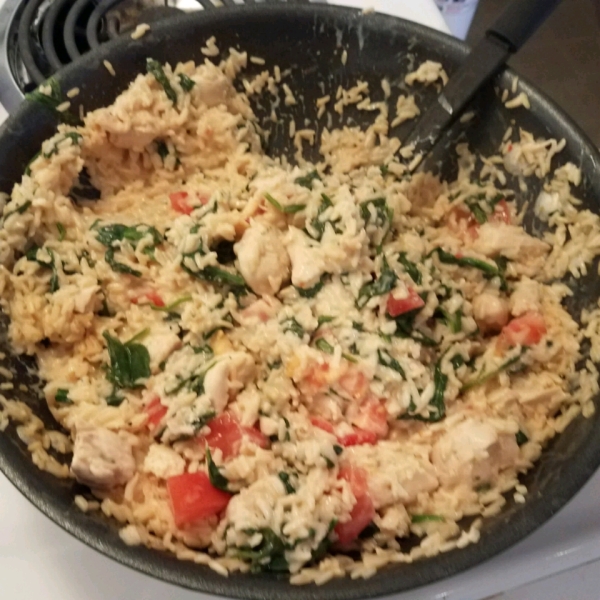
[231, 373]
[102, 459]
[540, 388]
[490, 312]
[525, 297]
[472, 453]
[262, 259]
[163, 462]
[161, 343]
[307, 263]
[510, 241]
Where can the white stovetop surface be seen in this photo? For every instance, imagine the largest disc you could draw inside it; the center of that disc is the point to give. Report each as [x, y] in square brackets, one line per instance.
[39, 560]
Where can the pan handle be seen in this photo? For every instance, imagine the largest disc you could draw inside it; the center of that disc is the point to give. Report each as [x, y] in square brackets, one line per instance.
[514, 27]
[520, 20]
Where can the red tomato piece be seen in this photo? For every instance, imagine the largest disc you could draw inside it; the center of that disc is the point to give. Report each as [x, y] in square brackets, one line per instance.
[156, 299]
[256, 436]
[226, 434]
[371, 416]
[193, 497]
[358, 437]
[152, 296]
[363, 510]
[526, 330]
[322, 424]
[155, 411]
[462, 219]
[355, 382]
[179, 203]
[502, 213]
[399, 306]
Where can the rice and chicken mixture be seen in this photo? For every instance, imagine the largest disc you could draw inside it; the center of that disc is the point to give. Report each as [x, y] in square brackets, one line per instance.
[303, 369]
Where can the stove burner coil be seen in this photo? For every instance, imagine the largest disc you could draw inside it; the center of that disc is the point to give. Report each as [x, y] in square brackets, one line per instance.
[52, 33]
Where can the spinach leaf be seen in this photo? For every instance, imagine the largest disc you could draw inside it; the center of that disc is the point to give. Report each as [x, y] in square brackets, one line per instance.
[324, 346]
[457, 361]
[187, 84]
[62, 396]
[52, 101]
[19, 210]
[32, 255]
[490, 271]
[118, 267]
[313, 291]
[320, 551]
[170, 307]
[269, 555]
[479, 213]
[162, 149]
[410, 267]
[384, 284]
[200, 422]
[215, 476]
[387, 360]
[83, 190]
[453, 321]
[293, 326]
[62, 232]
[285, 479]
[213, 274]
[521, 438]
[72, 135]
[317, 226]
[129, 362]
[155, 68]
[425, 518]
[287, 210]
[107, 235]
[376, 212]
[306, 180]
[436, 406]
[405, 329]
[485, 377]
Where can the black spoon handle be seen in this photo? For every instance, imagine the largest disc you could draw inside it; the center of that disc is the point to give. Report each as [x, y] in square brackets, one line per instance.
[512, 29]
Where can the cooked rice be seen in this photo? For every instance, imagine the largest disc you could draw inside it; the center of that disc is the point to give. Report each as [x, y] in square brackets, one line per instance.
[108, 66]
[418, 362]
[140, 31]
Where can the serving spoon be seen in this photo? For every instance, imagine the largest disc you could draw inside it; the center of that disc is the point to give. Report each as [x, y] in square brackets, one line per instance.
[511, 30]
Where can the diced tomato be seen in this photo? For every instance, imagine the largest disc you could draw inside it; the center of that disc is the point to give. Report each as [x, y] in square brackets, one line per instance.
[362, 512]
[355, 382]
[358, 437]
[502, 213]
[460, 219]
[318, 376]
[193, 497]
[322, 424]
[399, 306]
[526, 330]
[179, 203]
[151, 296]
[371, 416]
[155, 411]
[256, 436]
[226, 434]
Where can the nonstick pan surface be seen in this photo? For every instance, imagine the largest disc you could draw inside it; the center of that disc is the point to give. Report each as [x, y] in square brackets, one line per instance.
[308, 40]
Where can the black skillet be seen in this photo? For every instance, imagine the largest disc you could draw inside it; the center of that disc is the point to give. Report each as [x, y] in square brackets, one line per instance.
[309, 40]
